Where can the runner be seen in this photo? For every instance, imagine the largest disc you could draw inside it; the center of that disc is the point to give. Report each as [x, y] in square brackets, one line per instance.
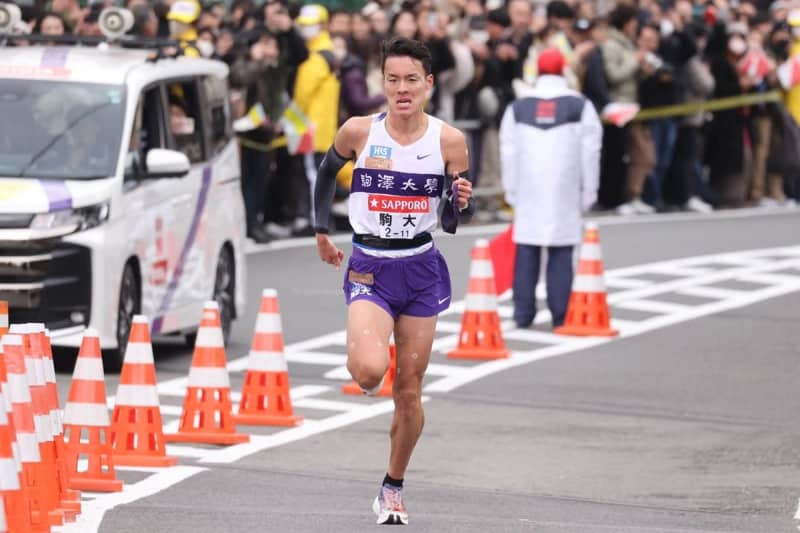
[396, 281]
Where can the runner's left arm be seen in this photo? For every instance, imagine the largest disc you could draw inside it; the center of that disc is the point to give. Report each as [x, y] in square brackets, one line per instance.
[456, 156]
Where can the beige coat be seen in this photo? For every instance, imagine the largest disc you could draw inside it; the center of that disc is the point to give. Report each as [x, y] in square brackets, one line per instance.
[619, 59]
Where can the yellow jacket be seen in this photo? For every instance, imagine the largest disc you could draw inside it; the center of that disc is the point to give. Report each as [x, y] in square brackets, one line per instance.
[187, 40]
[316, 92]
[793, 94]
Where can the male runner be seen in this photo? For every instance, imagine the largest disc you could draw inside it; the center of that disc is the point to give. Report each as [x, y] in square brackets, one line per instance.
[396, 280]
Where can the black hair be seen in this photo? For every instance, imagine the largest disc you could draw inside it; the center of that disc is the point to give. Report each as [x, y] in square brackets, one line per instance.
[397, 16]
[621, 15]
[560, 10]
[37, 26]
[401, 47]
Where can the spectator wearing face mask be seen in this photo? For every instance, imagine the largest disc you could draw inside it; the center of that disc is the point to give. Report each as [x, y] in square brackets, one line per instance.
[316, 93]
[725, 147]
[262, 77]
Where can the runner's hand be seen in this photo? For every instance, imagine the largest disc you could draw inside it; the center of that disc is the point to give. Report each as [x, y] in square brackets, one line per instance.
[328, 251]
[464, 192]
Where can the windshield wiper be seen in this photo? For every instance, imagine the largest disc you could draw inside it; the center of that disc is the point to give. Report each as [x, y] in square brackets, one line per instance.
[38, 155]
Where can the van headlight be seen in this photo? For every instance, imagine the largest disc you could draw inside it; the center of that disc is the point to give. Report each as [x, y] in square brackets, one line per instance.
[72, 220]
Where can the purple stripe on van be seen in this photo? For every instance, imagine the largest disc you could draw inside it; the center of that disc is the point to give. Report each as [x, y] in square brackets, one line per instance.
[58, 195]
[54, 57]
[191, 237]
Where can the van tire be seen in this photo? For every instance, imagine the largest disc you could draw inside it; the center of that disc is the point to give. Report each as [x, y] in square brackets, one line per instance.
[130, 302]
[225, 290]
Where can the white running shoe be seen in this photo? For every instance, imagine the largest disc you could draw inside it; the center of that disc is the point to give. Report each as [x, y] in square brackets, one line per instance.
[388, 506]
[698, 206]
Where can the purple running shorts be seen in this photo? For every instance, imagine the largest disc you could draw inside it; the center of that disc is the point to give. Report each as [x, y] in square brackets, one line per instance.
[416, 286]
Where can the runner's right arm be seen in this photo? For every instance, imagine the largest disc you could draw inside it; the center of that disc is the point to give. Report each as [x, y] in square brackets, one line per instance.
[349, 139]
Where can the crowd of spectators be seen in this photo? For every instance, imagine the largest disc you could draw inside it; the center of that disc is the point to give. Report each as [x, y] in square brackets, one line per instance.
[325, 62]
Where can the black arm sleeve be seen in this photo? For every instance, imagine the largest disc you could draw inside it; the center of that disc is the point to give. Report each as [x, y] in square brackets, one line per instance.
[325, 189]
[467, 212]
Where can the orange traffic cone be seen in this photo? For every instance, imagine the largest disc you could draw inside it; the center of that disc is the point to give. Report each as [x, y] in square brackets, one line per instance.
[34, 474]
[587, 312]
[480, 336]
[265, 391]
[137, 434]
[3, 318]
[207, 415]
[388, 379]
[87, 412]
[70, 499]
[17, 513]
[34, 364]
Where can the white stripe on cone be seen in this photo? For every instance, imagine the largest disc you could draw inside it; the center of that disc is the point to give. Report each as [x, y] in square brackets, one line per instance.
[28, 448]
[481, 269]
[88, 369]
[268, 323]
[4, 321]
[44, 429]
[267, 362]
[137, 396]
[18, 388]
[591, 252]
[481, 302]
[86, 414]
[210, 338]
[140, 353]
[585, 283]
[208, 377]
[8, 475]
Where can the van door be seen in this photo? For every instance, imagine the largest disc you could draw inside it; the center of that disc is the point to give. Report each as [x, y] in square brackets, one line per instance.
[152, 220]
[193, 283]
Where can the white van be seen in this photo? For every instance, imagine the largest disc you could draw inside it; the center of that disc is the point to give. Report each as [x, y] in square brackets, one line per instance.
[119, 192]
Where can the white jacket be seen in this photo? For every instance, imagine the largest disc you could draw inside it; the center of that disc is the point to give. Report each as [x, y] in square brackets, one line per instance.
[550, 160]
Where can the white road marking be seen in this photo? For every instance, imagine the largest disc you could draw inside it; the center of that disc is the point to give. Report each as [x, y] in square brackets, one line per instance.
[434, 369]
[326, 405]
[480, 371]
[683, 271]
[181, 450]
[653, 306]
[716, 293]
[626, 283]
[797, 513]
[783, 284]
[530, 335]
[259, 443]
[92, 513]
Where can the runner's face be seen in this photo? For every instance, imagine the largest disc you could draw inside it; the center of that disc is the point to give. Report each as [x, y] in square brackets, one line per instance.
[405, 84]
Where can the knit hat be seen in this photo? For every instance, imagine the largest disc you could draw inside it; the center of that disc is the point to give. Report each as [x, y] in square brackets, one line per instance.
[551, 61]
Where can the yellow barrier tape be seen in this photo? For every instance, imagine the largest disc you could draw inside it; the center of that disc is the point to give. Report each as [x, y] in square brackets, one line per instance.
[278, 142]
[719, 104]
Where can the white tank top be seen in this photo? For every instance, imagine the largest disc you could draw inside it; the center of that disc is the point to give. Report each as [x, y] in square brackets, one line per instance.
[396, 189]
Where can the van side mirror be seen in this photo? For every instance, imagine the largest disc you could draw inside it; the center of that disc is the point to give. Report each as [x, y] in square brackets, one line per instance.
[162, 163]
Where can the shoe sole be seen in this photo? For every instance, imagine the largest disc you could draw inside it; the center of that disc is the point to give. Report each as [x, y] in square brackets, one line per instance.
[388, 518]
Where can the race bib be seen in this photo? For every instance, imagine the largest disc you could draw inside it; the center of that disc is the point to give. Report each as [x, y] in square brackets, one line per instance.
[398, 216]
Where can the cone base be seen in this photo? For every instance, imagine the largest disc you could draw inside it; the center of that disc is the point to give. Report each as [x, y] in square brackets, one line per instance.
[144, 460]
[202, 437]
[96, 485]
[478, 354]
[70, 515]
[256, 419]
[586, 331]
[356, 390]
[70, 505]
[53, 518]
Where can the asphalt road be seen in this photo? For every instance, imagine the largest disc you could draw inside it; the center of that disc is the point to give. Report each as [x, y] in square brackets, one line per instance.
[688, 422]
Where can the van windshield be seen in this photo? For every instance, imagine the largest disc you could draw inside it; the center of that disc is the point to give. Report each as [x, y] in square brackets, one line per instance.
[61, 130]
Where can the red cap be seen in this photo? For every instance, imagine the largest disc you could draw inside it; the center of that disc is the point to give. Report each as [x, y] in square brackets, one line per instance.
[551, 61]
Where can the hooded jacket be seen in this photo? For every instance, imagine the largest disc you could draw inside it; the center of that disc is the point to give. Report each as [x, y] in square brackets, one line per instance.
[316, 92]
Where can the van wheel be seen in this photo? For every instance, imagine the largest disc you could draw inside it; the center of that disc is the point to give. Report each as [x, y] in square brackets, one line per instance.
[224, 290]
[129, 305]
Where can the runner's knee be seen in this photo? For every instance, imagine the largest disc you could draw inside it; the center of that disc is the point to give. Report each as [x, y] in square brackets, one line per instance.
[367, 373]
[406, 399]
